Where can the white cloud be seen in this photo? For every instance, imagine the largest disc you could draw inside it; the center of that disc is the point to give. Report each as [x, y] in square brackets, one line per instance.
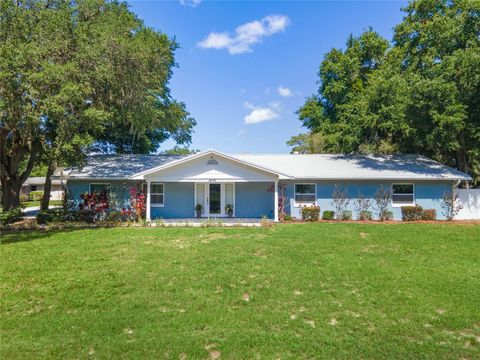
[284, 91]
[192, 3]
[260, 114]
[246, 35]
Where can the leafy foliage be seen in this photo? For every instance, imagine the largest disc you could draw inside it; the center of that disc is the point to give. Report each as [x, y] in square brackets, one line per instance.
[418, 95]
[10, 216]
[81, 75]
[412, 213]
[328, 215]
[310, 213]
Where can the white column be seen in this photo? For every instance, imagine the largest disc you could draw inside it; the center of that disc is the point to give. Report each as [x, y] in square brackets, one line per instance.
[275, 211]
[148, 201]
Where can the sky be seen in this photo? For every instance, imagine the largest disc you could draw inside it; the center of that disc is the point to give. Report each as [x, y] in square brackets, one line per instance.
[245, 67]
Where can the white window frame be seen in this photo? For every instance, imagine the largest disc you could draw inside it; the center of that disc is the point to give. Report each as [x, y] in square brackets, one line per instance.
[90, 186]
[400, 204]
[298, 204]
[152, 204]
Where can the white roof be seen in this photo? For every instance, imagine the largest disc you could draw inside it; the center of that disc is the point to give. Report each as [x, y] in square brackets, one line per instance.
[366, 167]
[294, 166]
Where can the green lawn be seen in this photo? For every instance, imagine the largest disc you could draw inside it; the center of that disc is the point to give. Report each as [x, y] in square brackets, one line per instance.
[314, 291]
[37, 203]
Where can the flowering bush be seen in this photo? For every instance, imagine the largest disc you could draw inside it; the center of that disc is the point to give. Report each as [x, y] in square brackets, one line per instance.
[136, 211]
[97, 202]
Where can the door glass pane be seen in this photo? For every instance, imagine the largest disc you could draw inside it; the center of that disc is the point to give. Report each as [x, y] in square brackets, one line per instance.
[229, 194]
[201, 196]
[215, 199]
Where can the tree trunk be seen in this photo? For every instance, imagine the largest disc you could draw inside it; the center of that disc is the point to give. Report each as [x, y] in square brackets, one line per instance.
[47, 189]
[11, 193]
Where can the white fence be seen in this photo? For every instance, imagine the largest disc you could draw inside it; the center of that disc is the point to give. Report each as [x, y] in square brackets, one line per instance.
[470, 200]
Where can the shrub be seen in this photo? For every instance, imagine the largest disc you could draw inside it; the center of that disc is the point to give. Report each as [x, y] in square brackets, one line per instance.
[340, 200]
[361, 204]
[86, 215]
[23, 198]
[450, 205]
[328, 215]
[365, 215]
[10, 216]
[53, 215]
[382, 199]
[310, 213]
[386, 215]
[115, 216]
[36, 195]
[412, 213]
[287, 217]
[346, 215]
[429, 214]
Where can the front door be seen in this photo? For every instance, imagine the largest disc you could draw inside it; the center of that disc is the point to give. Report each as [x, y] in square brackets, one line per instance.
[214, 199]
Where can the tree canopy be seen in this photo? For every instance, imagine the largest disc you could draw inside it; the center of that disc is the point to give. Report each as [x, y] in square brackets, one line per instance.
[418, 94]
[77, 76]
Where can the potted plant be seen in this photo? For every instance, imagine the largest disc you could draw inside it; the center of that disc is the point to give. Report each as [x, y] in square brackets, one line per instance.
[229, 210]
[198, 210]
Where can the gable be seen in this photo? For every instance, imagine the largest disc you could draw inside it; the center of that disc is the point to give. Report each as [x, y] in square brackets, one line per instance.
[210, 167]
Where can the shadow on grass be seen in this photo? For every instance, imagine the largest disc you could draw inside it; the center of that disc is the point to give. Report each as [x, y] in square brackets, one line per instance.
[16, 236]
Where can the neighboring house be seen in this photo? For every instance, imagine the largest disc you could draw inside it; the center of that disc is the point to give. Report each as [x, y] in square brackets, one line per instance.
[38, 184]
[253, 184]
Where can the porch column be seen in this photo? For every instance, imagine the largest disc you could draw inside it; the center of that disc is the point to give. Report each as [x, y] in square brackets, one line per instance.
[148, 201]
[275, 210]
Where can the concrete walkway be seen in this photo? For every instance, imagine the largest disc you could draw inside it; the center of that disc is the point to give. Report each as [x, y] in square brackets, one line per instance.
[32, 211]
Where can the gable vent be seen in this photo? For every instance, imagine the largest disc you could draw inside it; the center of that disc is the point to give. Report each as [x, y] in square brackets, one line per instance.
[212, 162]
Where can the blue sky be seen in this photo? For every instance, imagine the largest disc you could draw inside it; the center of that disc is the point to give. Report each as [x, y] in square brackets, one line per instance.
[245, 67]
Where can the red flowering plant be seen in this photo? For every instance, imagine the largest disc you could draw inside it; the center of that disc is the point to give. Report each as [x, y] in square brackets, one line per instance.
[136, 210]
[97, 202]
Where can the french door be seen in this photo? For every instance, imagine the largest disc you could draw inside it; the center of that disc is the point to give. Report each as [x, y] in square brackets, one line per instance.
[213, 197]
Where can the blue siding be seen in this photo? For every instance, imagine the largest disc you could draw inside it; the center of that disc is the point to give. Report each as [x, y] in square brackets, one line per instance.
[178, 202]
[254, 200]
[79, 187]
[428, 194]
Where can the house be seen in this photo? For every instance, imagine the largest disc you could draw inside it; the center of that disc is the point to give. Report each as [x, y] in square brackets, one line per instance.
[38, 184]
[253, 184]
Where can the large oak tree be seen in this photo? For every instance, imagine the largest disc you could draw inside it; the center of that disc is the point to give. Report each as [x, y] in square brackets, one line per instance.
[419, 94]
[77, 76]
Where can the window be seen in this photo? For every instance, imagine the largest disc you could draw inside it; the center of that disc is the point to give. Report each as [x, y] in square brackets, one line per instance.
[99, 188]
[305, 194]
[157, 194]
[403, 194]
[33, 187]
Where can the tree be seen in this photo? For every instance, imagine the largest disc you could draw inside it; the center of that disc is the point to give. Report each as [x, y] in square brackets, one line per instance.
[177, 150]
[418, 95]
[77, 76]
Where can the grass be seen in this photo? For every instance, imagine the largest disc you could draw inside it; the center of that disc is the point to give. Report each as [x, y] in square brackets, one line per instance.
[37, 203]
[288, 291]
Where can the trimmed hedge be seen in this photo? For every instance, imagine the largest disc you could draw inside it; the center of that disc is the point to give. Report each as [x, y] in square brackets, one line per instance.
[36, 195]
[310, 213]
[365, 215]
[328, 215]
[412, 213]
[429, 214]
[10, 216]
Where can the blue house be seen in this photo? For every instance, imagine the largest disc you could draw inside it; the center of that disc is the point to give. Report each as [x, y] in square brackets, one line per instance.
[254, 184]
